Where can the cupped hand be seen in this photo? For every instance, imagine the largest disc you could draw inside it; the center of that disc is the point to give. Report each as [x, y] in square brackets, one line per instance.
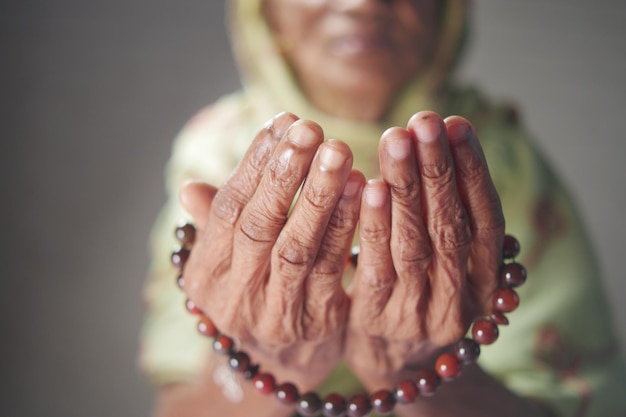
[430, 247]
[269, 274]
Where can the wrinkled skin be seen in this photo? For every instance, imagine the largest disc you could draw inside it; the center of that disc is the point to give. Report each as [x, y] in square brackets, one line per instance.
[430, 233]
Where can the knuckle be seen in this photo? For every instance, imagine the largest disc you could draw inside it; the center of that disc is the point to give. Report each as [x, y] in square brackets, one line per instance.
[414, 252]
[374, 234]
[259, 158]
[319, 198]
[260, 225]
[405, 192]
[473, 168]
[450, 230]
[282, 175]
[227, 205]
[293, 255]
[439, 173]
[342, 219]
[489, 218]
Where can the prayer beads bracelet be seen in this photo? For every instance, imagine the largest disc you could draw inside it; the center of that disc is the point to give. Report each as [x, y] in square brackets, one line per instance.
[447, 366]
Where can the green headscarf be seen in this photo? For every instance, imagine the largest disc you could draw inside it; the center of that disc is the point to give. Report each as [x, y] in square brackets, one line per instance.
[272, 88]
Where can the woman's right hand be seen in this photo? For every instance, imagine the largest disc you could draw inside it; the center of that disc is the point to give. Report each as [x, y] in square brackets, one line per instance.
[269, 277]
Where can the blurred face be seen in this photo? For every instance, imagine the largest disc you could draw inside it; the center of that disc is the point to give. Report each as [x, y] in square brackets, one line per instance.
[355, 45]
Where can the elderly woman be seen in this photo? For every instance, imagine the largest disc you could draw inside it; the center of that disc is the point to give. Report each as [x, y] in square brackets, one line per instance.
[268, 266]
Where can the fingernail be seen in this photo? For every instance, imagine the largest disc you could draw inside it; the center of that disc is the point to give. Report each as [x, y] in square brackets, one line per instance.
[398, 148]
[302, 135]
[428, 129]
[331, 158]
[375, 194]
[351, 188]
[459, 132]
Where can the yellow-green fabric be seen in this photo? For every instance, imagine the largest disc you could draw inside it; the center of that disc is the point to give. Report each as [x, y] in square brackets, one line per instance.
[559, 348]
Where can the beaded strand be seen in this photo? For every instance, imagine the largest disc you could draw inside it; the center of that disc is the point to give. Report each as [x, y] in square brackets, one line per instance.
[447, 366]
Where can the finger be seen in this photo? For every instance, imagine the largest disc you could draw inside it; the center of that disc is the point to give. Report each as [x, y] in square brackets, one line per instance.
[481, 202]
[444, 212]
[217, 237]
[242, 184]
[323, 287]
[298, 244]
[375, 275]
[264, 217]
[410, 243]
[196, 197]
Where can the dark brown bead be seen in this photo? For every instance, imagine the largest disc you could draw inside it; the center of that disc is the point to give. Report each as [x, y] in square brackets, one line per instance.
[427, 382]
[192, 307]
[251, 372]
[484, 332]
[206, 327]
[239, 361]
[287, 393]
[467, 350]
[223, 344]
[309, 405]
[186, 234]
[334, 405]
[264, 383]
[510, 247]
[180, 281]
[512, 275]
[359, 406]
[447, 366]
[499, 318]
[383, 402]
[406, 392]
[505, 300]
[354, 256]
[179, 257]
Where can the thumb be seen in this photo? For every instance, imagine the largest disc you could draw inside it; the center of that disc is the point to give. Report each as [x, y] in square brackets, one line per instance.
[197, 197]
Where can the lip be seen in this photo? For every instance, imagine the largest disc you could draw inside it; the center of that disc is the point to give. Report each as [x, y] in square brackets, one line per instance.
[361, 44]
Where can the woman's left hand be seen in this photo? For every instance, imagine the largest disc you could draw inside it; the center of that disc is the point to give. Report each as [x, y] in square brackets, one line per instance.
[430, 248]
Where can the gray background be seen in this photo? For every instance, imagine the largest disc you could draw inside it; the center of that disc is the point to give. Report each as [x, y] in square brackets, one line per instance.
[91, 94]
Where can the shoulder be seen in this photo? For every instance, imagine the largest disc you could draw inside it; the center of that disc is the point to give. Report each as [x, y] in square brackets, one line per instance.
[213, 140]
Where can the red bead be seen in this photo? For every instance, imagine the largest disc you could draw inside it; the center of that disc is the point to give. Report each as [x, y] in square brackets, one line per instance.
[186, 234]
[427, 382]
[264, 383]
[447, 366]
[359, 406]
[499, 318]
[180, 281]
[505, 300]
[510, 247]
[206, 327]
[309, 405]
[223, 344]
[406, 392]
[484, 331]
[334, 406]
[287, 393]
[512, 275]
[192, 308]
[239, 361]
[179, 257]
[383, 402]
[467, 351]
